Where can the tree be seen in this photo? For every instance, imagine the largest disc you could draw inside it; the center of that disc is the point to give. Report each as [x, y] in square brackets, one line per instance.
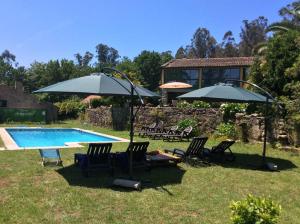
[166, 56]
[203, 45]
[180, 53]
[228, 45]
[130, 69]
[107, 56]
[252, 33]
[149, 66]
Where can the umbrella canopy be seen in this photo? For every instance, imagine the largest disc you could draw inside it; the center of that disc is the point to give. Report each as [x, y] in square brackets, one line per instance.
[175, 85]
[97, 84]
[225, 93]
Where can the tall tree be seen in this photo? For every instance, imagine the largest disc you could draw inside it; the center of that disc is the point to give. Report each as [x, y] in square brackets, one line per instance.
[203, 44]
[87, 58]
[180, 53]
[148, 64]
[252, 34]
[229, 47]
[107, 56]
[166, 56]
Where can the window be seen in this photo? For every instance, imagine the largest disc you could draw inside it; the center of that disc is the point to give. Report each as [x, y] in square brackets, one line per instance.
[212, 76]
[190, 76]
[3, 103]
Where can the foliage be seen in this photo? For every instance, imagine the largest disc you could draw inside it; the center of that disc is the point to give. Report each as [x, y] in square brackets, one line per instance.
[203, 44]
[148, 64]
[182, 124]
[227, 130]
[230, 109]
[252, 33]
[195, 104]
[70, 108]
[107, 56]
[200, 104]
[256, 210]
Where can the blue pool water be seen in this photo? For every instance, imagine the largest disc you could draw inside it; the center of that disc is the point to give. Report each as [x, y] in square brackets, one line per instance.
[48, 137]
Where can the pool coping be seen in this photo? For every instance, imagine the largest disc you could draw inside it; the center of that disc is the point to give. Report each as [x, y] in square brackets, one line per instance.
[10, 144]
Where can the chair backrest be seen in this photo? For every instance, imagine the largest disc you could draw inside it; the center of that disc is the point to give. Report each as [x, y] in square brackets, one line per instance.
[173, 129]
[221, 148]
[187, 131]
[196, 146]
[153, 125]
[159, 125]
[50, 153]
[139, 150]
[99, 152]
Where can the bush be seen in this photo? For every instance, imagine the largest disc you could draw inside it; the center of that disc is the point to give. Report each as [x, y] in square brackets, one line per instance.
[195, 104]
[200, 104]
[227, 130]
[188, 122]
[183, 104]
[255, 210]
[70, 108]
[230, 109]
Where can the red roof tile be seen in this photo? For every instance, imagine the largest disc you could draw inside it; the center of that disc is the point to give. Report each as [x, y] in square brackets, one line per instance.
[209, 62]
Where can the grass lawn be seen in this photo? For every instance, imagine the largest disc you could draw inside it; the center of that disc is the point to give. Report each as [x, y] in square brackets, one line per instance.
[33, 194]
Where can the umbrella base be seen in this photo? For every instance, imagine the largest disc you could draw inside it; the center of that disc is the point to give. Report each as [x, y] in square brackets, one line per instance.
[137, 185]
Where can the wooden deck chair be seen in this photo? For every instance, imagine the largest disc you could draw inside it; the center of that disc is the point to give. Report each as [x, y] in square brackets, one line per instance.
[195, 149]
[98, 156]
[185, 134]
[221, 151]
[49, 156]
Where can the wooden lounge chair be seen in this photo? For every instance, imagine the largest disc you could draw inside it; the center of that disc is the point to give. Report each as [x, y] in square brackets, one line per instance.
[138, 150]
[98, 157]
[146, 129]
[195, 149]
[49, 156]
[160, 133]
[185, 134]
[220, 152]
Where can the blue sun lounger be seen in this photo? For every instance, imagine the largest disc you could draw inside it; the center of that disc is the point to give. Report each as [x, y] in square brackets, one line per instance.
[50, 155]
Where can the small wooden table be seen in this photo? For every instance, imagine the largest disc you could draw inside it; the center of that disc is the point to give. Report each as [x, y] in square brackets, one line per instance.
[159, 158]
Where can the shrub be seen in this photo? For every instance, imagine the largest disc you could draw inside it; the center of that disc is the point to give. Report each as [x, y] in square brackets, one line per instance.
[255, 210]
[227, 130]
[200, 104]
[183, 104]
[230, 109]
[188, 122]
[70, 108]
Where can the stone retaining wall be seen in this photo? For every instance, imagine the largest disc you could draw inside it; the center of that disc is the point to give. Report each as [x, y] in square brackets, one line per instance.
[207, 119]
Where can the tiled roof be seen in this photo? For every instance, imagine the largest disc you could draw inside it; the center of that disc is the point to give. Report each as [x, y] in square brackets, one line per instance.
[209, 62]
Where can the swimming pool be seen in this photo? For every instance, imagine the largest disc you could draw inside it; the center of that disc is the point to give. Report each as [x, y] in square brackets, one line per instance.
[55, 137]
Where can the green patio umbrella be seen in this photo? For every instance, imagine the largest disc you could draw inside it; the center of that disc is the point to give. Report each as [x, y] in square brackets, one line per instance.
[224, 92]
[96, 84]
[104, 85]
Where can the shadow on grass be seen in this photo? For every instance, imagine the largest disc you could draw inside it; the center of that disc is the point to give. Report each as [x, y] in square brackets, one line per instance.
[254, 162]
[157, 178]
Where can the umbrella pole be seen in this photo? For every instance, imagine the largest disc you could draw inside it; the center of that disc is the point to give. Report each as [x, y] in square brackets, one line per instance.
[131, 129]
[265, 133]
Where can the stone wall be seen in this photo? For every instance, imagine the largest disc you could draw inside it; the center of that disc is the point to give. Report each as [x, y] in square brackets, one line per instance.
[254, 125]
[207, 119]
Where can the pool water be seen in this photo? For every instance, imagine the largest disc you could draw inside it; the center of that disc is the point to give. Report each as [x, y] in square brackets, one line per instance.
[48, 137]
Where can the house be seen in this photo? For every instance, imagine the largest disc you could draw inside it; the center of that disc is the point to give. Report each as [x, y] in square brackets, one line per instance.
[16, 105]
[203, 72]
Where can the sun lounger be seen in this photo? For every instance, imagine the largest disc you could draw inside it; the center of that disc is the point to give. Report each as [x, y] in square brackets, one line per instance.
[49, 156]
[195, 149]
[146, 129]
[221, 151]
[185, 134]
[98, 157]
[161, 133]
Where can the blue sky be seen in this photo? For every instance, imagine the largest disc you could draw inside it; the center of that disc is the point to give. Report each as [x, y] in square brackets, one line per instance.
[44, 30]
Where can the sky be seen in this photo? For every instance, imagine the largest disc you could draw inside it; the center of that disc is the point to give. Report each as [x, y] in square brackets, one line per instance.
[36, 30]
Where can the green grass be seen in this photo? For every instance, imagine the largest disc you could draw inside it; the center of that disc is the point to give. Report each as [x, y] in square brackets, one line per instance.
[33, 194]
